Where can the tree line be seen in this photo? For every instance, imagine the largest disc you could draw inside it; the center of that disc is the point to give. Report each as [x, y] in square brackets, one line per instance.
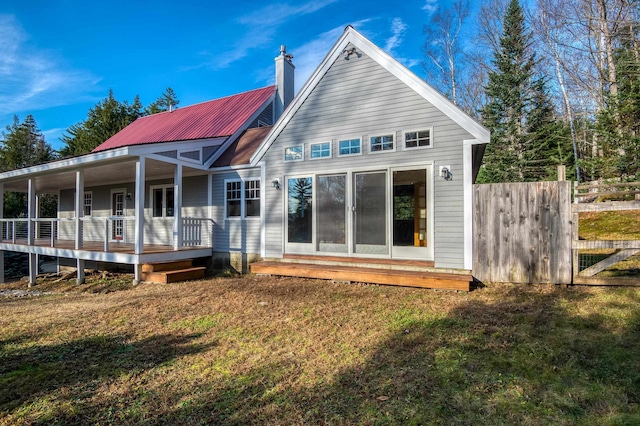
[557, 83]
[23, 143]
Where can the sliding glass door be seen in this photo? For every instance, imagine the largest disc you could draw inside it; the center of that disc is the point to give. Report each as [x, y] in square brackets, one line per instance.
[370, 233]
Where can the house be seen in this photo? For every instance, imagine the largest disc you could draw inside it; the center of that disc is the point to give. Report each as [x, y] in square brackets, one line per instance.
[367, 164]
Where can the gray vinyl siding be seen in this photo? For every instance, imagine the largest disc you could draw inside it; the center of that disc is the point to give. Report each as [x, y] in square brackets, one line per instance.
[265, 117]
[359, 98]
[157, 230]
[234, 234]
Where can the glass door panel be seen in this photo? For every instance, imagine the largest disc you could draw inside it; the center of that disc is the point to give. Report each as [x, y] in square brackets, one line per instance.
[299, 210]
[331, 210]
[410, 213]
[370, 213]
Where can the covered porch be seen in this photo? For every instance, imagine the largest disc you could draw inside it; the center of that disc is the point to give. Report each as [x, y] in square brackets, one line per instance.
[112, 207]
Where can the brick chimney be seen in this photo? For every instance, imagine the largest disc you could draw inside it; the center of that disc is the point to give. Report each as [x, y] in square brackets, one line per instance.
[284, 82]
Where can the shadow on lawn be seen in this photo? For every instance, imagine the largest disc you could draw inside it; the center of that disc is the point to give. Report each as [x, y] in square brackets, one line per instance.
[31, 373]
[523, 359]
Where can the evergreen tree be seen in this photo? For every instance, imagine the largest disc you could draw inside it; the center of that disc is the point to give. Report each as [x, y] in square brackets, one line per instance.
[167, 101]
[519, 112]
[104, 120]
[21, 146]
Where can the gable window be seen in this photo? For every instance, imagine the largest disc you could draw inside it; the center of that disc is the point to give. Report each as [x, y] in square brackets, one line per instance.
[294, 153]
[163, 201]
[381, 143]
[349, 146]
[242, 198]
[252, 198]
[234, 198]
[321, 150]
[88, 203]
[417, 139]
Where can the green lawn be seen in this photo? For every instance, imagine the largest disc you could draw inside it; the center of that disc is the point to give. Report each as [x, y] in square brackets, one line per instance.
[276, 351]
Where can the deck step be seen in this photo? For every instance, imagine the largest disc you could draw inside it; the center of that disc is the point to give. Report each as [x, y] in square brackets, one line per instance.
[344, 272]
[167, 266]
[165, 277]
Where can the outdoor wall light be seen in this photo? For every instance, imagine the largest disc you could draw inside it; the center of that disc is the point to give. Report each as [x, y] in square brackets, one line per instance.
[445, 172]
[275, 183]
[128, 197]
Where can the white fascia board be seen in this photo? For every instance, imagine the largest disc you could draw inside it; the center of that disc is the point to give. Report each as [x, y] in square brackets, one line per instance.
[467, 182]
[225, 169]
[242, 128]
[352, 36]
[68, 163]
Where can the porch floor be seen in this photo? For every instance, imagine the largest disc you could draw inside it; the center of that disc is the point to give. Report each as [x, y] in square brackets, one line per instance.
[97, 246]
[375, 271]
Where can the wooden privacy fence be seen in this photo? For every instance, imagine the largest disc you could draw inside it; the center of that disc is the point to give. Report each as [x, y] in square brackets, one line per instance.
[522, 232]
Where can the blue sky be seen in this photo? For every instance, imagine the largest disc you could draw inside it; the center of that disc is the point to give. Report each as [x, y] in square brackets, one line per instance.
[58, 58]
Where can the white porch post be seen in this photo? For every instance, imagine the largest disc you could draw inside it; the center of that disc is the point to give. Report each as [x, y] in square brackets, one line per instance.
[139, 217]
[2, 232]
[139, 207]
[177, 209]
[79, 207]
[79, 214]
[31, 201]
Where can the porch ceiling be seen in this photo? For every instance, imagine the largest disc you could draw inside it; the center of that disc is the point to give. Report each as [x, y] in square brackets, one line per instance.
[105, 173]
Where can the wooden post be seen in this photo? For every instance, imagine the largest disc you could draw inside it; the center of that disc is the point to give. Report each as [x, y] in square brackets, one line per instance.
[80, 278]
[177, 208]
[562, 173]
[139, 207]
[31, 191]
[575, 257]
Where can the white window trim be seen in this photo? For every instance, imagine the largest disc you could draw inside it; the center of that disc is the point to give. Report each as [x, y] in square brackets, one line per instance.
[164, 200]
[359, 138]
[284, 154]
[395, 144]
[90, 193]
[321, 143]
[404, 139]
[243, 213]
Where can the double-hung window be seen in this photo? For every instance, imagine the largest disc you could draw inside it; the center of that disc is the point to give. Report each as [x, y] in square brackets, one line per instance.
[163, 201]
[242, 198]
[88, 203]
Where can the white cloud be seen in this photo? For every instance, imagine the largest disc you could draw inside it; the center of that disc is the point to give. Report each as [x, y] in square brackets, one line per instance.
[32, 79]
[398, 28]
[430, 6]
[262, 25]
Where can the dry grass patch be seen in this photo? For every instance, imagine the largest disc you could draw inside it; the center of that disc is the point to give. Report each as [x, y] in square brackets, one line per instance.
[255, 350]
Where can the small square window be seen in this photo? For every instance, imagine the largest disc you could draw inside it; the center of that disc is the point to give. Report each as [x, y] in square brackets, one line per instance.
[382, 143]
[294, 153]
[349, 146]
[417, 139]
[321, 150]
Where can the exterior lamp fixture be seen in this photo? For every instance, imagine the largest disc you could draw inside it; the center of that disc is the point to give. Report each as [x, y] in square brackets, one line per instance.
[348, 52]
[128, 197]
[275, 183]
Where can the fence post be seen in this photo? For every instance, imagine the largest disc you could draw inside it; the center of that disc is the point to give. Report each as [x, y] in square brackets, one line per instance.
[562, 173]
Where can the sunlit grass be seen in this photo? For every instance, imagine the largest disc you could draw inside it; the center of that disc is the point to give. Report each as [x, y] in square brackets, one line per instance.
[278, 351]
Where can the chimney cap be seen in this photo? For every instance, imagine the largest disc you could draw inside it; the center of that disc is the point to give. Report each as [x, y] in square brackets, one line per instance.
[283, 49]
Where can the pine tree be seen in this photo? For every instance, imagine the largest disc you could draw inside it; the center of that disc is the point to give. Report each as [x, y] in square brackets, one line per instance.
[167, 101]
[24, 145]
[104, 120]
[519, 112]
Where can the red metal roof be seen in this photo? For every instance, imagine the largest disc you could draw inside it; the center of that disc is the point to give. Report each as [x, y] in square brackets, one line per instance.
[212, 119]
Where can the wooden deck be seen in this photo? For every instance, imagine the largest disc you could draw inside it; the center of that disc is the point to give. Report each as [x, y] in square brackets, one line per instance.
[375, 271]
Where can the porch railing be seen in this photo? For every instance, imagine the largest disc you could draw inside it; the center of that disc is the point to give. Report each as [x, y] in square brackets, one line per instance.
[197, 232]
